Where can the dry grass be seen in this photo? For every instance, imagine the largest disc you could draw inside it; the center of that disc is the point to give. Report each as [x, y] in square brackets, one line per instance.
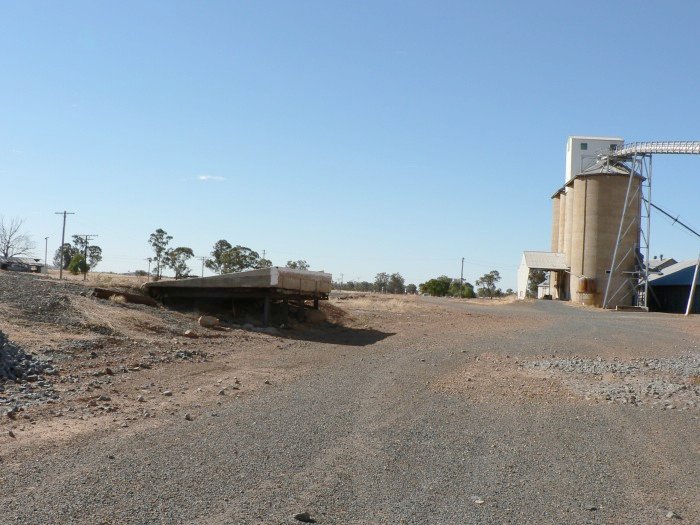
[379, 302]
[102, 279]
[117, 299]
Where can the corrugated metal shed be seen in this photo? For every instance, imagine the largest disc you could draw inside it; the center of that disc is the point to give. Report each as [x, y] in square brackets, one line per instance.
[679, 274]
[659, 264]
[670, 290]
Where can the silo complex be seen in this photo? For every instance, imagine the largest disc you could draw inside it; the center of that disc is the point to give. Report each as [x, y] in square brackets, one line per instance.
[599, 199]
[587, 217]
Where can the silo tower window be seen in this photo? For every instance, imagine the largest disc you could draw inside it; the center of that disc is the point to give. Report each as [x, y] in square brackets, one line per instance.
[584, 146]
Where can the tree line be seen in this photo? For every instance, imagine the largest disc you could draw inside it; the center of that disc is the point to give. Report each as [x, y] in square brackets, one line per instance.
[442, 286]
[383, 283]
[485, 286]
[224, 257]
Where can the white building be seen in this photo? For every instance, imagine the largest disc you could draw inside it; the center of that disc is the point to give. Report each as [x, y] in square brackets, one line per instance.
[581, 152]
[547, 261]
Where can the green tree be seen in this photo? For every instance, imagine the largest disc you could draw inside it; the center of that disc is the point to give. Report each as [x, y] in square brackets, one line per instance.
[240, 258]
[464, 290]
[78, 264]
[217, 263]
[438, 287]
[176, 259]
[364, 286]
[92, 252]
[487, 284]
[263, 263]
[396, 284]
[159, 241]
[63, 256]
[535, 278]
[411, 289]
[298, 265]
[381, 282]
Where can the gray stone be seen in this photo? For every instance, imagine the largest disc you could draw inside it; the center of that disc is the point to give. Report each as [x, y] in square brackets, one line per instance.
[304, 517]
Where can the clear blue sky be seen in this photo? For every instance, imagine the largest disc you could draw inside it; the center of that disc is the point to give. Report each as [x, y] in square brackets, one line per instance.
[360, 136]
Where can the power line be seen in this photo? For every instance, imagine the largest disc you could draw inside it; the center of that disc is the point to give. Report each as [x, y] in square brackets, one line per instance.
[203, 259]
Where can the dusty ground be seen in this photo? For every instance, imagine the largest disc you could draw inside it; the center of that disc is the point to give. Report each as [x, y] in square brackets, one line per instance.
[404, 410]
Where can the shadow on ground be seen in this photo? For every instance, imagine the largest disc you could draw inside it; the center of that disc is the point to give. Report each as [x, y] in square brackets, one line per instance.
[336, 335]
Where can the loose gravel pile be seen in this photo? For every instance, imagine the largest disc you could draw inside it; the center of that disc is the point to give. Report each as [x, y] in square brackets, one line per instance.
[22, 375]
[666, 382]
[40, 299]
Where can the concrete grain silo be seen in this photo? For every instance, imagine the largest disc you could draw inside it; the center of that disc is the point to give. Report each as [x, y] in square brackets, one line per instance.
[562, 221]
[598, 200]
[556, 202]
[568, 220]
[554, 278]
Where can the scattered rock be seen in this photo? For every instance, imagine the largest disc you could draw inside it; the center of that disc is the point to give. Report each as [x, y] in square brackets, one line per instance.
[167, 393]
[191, 334]
[208, 321]
[267, 382]
[188, 417]
[104, 397]
[304, 517]
[222, 392]
[672, 515]
[11, 434]
[141, 399]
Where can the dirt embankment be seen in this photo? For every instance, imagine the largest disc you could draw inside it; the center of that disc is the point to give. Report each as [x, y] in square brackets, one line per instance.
[71, 362]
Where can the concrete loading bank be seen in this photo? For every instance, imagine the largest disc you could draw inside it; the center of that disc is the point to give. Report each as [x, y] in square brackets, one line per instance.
[266, 285]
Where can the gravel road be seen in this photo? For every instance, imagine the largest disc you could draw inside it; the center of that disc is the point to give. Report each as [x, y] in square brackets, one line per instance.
[371, 435]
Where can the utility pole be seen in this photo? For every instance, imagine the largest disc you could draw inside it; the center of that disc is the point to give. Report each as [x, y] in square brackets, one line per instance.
[88, 237]
[341, 280]
[461, 276]
[148, 277]
[63, 240]
[204, 259]
[46, 253]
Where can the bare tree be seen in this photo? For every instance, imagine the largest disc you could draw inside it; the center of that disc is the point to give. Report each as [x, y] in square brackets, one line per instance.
[13, 241]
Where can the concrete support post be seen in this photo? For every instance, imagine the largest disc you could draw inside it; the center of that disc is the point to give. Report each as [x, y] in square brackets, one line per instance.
[691, 298]
[266, 311]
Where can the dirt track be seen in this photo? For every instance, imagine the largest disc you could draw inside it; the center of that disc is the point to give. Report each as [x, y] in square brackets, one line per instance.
[418, 411]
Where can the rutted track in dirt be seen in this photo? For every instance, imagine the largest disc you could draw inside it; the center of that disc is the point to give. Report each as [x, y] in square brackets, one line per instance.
[371, 434]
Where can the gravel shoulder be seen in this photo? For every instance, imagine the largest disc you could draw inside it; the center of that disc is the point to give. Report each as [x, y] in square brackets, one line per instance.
[412, 411]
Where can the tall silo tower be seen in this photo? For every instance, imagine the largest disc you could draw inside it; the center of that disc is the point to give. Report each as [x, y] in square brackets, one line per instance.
[599, 194]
